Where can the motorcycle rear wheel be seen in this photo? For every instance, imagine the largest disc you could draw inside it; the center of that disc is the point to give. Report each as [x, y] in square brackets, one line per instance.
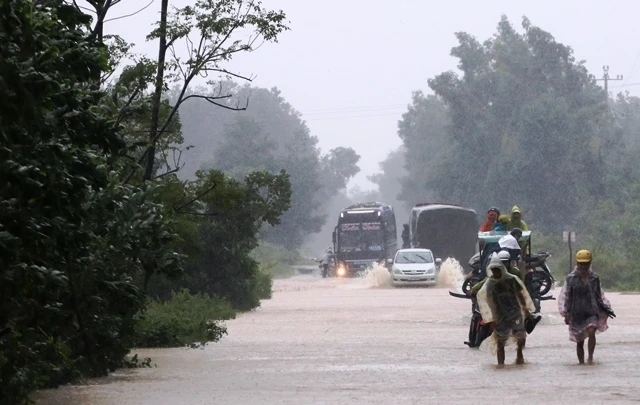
[545, 282]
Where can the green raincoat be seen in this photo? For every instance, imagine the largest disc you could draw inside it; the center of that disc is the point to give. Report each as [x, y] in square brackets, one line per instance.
[516, 224]
[498, 302]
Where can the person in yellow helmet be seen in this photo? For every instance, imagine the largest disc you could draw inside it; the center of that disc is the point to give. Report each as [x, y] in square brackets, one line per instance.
[584, 306]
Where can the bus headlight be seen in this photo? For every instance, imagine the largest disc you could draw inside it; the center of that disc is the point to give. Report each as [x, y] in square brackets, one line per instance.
[341, 271]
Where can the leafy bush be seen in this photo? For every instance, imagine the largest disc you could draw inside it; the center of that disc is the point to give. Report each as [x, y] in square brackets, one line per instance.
[275, 260]
[262, 286]
[184, 320]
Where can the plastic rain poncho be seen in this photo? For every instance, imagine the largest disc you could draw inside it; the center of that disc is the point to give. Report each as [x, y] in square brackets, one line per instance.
[498, 303]
[584, 304]
[516, 223]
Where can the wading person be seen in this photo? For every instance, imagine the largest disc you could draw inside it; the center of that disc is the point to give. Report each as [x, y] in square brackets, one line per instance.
[584, 306]
[504, 300]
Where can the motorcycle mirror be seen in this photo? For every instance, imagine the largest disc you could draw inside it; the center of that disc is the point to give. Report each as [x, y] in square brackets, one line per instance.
[390, 261]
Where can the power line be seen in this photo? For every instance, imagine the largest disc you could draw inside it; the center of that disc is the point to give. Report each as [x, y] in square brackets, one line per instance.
[350, 109]
[132, 14]
[396, 110]
[351, 116]
[633, 68]
[625, 85]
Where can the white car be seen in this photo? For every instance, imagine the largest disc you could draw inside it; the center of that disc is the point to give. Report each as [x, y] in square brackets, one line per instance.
[414, 267]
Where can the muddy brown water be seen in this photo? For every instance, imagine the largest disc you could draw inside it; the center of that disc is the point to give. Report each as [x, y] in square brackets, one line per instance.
[358, 341]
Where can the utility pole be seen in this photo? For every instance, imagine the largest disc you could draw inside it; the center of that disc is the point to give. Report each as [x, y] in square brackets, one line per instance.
[606, 78]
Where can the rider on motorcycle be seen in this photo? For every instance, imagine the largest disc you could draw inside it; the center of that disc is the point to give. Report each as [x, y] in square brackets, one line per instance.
[509, 243]
[326, 261]
[501, 224]
[505, 258]
[492, 216]
[515, 220]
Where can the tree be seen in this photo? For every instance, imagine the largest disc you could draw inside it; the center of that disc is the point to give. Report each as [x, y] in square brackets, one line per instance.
[340, 164]
[234, 213]
[388, 180]
[425, 140]
[270, 135]
[522, 119]
[75, 244]
[82, 236]
[217, 23]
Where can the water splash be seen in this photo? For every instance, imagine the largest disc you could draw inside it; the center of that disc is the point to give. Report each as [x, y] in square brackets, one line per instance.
[451, 273]
[377, 276]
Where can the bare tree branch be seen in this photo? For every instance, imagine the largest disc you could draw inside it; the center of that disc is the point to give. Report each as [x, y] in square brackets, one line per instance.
[126, 105]
[226, 72]
[202, 214]
[197, 197]
[80, 8]
[212, 101]
[132, 14]
[172, 50]
[176, 161]
[168, 172]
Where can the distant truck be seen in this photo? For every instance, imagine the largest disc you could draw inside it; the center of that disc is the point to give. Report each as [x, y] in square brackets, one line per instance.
[366, 234]
[448, 230]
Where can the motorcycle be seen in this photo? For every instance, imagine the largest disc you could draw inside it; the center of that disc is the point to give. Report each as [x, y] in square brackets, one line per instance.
[330, 272]
[538, 282]
[538, 263]
[540, 279]
[479, 331]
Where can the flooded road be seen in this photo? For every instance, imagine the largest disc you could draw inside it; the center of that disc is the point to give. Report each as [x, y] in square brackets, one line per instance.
[357, 341]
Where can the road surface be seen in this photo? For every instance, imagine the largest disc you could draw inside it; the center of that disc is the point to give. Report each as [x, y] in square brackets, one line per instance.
[358, 341]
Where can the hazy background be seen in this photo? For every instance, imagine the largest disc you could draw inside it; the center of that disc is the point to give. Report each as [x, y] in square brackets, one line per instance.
[350, 66]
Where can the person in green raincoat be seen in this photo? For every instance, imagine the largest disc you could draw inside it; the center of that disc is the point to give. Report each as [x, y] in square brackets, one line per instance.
[515, 220]
[504, 300]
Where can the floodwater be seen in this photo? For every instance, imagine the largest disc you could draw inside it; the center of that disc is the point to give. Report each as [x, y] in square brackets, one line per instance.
[360, 341]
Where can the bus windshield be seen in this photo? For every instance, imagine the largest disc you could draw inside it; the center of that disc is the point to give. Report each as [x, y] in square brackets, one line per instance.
[367, 236]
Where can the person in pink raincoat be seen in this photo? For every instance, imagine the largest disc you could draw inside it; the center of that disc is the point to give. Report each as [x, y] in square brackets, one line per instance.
[584, 306]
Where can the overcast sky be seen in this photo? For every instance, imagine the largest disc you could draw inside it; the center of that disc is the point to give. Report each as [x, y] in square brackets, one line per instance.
[350, 66]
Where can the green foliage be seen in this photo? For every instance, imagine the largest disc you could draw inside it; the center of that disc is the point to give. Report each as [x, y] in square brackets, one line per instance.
[522, 117]
[183, 320]
[76, 246]
[233, 213]
[81, 238]
[526, 124]
[423, 133]
[277, 261]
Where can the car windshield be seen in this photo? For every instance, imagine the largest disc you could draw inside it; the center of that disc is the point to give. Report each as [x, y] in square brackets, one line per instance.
[414, 257]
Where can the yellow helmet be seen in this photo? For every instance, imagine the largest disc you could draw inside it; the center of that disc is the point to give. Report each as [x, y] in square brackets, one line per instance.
[583, 256]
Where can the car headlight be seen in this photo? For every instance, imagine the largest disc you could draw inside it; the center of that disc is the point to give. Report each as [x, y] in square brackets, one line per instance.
[396, 271]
